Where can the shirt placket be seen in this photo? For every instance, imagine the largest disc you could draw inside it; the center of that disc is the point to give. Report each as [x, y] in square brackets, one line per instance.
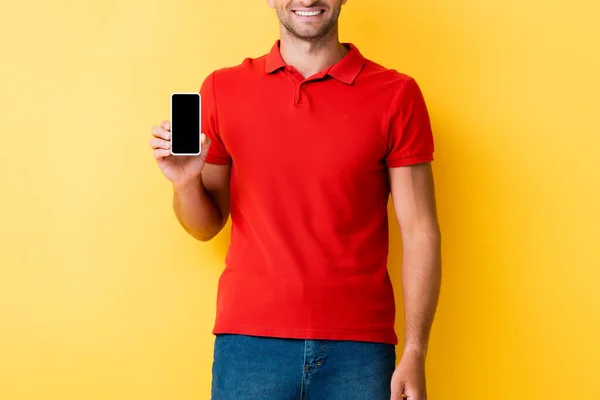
[300, 85]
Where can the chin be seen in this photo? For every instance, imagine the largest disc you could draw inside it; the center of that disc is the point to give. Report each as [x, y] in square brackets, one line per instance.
[308, 33]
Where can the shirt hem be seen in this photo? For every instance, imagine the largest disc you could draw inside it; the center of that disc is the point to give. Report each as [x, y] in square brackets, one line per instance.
[409, 160]
[212, 159]
[314, 334]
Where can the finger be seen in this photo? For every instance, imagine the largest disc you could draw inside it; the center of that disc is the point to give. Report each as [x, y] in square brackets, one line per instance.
[414, 396]
[157, 143]
[161, 153]
[396, 395]
[160, 132]
[166, 125]
[398, 392]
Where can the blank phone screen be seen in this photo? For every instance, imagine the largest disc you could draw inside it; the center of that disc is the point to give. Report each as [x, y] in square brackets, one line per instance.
[185, 123]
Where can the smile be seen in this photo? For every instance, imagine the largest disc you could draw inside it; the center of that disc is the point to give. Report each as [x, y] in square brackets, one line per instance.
[308, 13]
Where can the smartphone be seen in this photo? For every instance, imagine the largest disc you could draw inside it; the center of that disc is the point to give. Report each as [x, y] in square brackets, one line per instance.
[185, 124]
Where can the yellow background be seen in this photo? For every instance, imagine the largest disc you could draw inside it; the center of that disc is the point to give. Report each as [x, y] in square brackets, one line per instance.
[103, 295]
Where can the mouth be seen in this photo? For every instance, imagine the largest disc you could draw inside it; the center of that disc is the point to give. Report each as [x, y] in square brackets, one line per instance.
[308, 13]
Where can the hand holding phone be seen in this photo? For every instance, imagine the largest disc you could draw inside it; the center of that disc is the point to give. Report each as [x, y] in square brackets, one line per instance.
[180, 170]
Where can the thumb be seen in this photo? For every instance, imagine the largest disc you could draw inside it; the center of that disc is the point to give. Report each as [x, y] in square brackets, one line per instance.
[204, 144]
[398, 392]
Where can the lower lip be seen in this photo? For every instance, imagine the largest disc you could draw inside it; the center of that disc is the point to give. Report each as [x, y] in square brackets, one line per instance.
[310, 17]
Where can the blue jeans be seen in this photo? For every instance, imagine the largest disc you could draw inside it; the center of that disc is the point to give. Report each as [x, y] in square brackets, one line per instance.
[263, 368]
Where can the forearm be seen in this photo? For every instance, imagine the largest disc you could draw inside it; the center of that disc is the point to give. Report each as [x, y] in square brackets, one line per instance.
[196, 210]
[421, 281]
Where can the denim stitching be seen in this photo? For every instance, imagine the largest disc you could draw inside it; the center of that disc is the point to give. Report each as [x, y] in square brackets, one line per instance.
[303, 369]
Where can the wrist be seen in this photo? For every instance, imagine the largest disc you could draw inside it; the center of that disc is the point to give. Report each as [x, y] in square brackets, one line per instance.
[183, 186]
[415, 350]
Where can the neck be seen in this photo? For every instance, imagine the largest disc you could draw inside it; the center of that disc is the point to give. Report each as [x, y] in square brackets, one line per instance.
[311, 57]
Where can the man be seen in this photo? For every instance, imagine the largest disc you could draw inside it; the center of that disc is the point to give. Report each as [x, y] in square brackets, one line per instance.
[303, 147]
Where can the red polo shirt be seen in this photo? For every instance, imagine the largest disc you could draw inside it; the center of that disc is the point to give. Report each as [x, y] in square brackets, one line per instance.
[309, 193]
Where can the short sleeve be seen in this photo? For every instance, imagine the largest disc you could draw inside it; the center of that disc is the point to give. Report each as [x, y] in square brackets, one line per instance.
[217, 153]
[410, 138]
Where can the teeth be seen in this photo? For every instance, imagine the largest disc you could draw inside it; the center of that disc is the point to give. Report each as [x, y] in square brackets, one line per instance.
[308, 13]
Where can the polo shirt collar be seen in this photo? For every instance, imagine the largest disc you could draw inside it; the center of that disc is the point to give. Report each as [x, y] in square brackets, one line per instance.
[274, 59]
[346, 70]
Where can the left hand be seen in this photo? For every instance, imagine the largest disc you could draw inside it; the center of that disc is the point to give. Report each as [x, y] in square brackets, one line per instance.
[408, 380]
